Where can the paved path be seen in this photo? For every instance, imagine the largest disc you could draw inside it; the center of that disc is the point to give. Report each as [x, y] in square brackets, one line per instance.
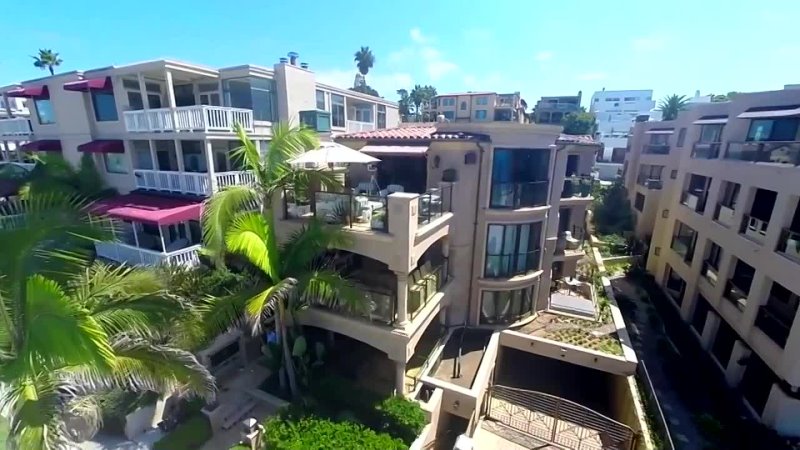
[685, 435]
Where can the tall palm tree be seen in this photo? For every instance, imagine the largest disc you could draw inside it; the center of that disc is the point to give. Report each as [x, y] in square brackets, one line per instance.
[364, 60]
[47, 60]
[70, 328]
[672, 105]
[417, 97]
[240, 220]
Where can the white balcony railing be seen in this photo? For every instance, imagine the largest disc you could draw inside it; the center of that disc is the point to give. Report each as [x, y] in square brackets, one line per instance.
[237, 178]
[354, 126]
[184, 182]
[16, 126]
[188, 118]
[128, 254]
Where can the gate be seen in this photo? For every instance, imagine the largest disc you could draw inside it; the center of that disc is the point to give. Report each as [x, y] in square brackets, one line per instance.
[557, 420]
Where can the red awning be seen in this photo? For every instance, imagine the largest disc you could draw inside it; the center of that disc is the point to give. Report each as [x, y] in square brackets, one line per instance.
[90, 84]
[44, 145]
[30, 91]
[103, 146]
[149, 209]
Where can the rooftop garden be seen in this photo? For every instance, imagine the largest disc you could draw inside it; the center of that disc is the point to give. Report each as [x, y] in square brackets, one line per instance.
[600, 336]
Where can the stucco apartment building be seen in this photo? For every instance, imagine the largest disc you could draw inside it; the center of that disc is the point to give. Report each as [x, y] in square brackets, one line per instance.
[717, 191]
[552, 109]
[479, 107]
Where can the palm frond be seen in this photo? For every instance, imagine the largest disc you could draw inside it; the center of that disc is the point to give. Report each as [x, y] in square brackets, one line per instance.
[218, 213]
[252, 236]
[102, 284]
[34, 407]
[306, 244]
[221, 314]
[263, 306]
[247, 154]
[287, 143]
[329, 288]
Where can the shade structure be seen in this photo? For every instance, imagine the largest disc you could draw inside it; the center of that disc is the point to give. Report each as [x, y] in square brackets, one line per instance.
[89, 84]
[153, 209]
[395, 150]
[331, 153]
[663, 131]
[767, 112]
[30, 91]
[103, 146]
[711, 120]
[43, 145]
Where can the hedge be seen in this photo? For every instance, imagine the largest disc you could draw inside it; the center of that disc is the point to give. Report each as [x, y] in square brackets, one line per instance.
[189, 435]
[311, 432]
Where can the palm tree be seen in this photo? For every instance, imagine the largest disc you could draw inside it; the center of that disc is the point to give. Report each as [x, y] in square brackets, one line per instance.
[364, 60]
[417, 97]
[47, 59]
[404, 104]
[672, 105]
[239, 219]
[95, 327]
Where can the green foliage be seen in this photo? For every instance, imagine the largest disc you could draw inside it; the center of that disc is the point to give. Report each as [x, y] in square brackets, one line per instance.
[402, 418]
[670, 106]
[364, 60]
[579, 123]
[118, 403]
[366, 89]
[286, 432]
[189, 435]
[418, 97]
[47, 59]
[404, 104]
[612, 211]
[53, 174]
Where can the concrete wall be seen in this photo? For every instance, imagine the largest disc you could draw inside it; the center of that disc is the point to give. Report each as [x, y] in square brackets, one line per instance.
[296, 91]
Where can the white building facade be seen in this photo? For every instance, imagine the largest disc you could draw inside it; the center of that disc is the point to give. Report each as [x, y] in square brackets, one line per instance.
[616, 112]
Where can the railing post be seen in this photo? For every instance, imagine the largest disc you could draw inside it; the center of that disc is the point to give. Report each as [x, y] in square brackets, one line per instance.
[555, 420]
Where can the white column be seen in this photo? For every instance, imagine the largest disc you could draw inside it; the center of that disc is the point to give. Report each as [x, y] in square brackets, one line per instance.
[171, 99]
[400, 378]
[143, 90]
[153, 158]
[4, 156]
[402, 299]
[18, 151]
[210, 164]
[161, 235]
[179, 154]
[8, 106]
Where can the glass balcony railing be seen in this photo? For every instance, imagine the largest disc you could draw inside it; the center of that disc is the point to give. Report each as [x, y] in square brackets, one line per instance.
[577, 187]
[735, 294]
[754, 228]
[774, 324]
[706, 150]
[649, 183]
[780, 152]
[349, 210]
[789, 244]
[434, 203]
[656, 149]
[519, 195]
[507, 266]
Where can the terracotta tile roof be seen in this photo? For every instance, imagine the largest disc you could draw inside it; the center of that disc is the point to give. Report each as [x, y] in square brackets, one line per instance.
[576, 139]
[420, 133]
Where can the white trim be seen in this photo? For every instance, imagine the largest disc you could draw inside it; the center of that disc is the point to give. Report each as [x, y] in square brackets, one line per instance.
[660, 132]
[711, 121]
[768, 114]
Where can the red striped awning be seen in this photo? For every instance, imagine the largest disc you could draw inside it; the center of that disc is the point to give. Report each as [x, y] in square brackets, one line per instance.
[89, 84]
[151, 209]
[103, 146]
[44, 145]
[30, 91]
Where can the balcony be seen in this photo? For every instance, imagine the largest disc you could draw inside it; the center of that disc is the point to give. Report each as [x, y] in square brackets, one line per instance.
[779, 152]
[735, 295]
[695, 201]
[194, 183]
[354, 126]
[432, 204]
[136, 256]
[710, 272]
[577, 187]
[519, 195]
[649, 183]
[319, 121]
[16, 126]
[706, 150]
[724, 215]
[789, 244]
[774, 324]
[656, 149]
[754, 228]
[505, 101]
[198, 118]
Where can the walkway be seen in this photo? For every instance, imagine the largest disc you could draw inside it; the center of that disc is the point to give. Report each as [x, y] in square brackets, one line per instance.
[645, 336]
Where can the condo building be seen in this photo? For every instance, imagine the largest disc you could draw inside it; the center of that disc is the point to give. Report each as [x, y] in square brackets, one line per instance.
[479, 107]
[716, 192]
[553, 109]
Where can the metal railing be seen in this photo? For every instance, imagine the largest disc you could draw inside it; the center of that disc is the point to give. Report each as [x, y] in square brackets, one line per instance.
[706, 150]
[347, 209]
[137, 256]
[558, 420]
[789, 244]
[519, 195]
[434, 203]
[430, 281]
[735, 294]
[781, 152]
[197, 183]
[773, 324]
[656, 149]
[16, 126]
[378, 306]
[577, 187]
[188, 118]
[653, 407]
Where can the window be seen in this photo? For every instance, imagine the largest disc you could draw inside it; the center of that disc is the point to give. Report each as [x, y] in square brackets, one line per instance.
[722, 347]
[711, 133]
[448, 101]
[482, 101]
[449, 115]
[631, 99]
[498, 307]
[519, 177]
[681, 137]
[674, 285]
[639, 202]
[105, 108]
[209, 94]
[194, 156]
[738, 287]
[253, 93]
[337, 111]
[115, 162]
[730, 194]
[463, 106]
[683, 241]
[381, 117]
[135, 95]
[321, 104]
[773, 129]
[714, 255]
[673, 174]
[141, 155]
[364, 114]
[44, 111]
[700, 314]
[512, 249]
[480, 114]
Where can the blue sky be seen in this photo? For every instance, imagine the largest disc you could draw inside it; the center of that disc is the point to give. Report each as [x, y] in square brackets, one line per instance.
[533, 46]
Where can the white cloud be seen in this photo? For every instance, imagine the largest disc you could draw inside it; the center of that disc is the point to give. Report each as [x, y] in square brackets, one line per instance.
[592, 76]
[417, 37]
[544, 55]
[439, 68]
[648, 43]
[424, 54]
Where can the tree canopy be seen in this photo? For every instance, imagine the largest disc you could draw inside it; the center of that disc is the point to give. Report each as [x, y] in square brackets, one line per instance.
[670, 106]
[579, 123]
[364, 60]
[47, 60]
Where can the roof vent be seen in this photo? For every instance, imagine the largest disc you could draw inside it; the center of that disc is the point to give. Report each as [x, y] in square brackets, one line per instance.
[293, 58]
[283, 60]
[304, 65]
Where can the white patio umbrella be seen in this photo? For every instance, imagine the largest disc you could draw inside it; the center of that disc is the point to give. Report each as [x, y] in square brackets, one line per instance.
[331, 153]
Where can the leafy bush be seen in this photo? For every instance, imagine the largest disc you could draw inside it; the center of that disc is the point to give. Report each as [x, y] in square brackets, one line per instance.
[286, 432]
[402, 418]
[189, 435]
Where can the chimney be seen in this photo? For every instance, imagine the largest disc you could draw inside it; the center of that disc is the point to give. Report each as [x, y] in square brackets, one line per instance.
[293, 58]
[304, 65]
[283, 60]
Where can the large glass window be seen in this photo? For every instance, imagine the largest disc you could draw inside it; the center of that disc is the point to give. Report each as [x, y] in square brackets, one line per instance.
[683, 240]
[498, 307]
[105, 108]
[480, 114]
[711, 133]
[194, 158]
[519, 177]
[142, 159]
[44, 111]
[773, 129]
[337, 110]
[512, 249]
[321, 104]
[135, 96]
[381, 117]
[253, 93]
[115, 162]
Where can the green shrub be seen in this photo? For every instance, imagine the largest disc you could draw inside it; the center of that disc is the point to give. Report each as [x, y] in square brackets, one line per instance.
[189, 435]
[402, 418]
[310, 432]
